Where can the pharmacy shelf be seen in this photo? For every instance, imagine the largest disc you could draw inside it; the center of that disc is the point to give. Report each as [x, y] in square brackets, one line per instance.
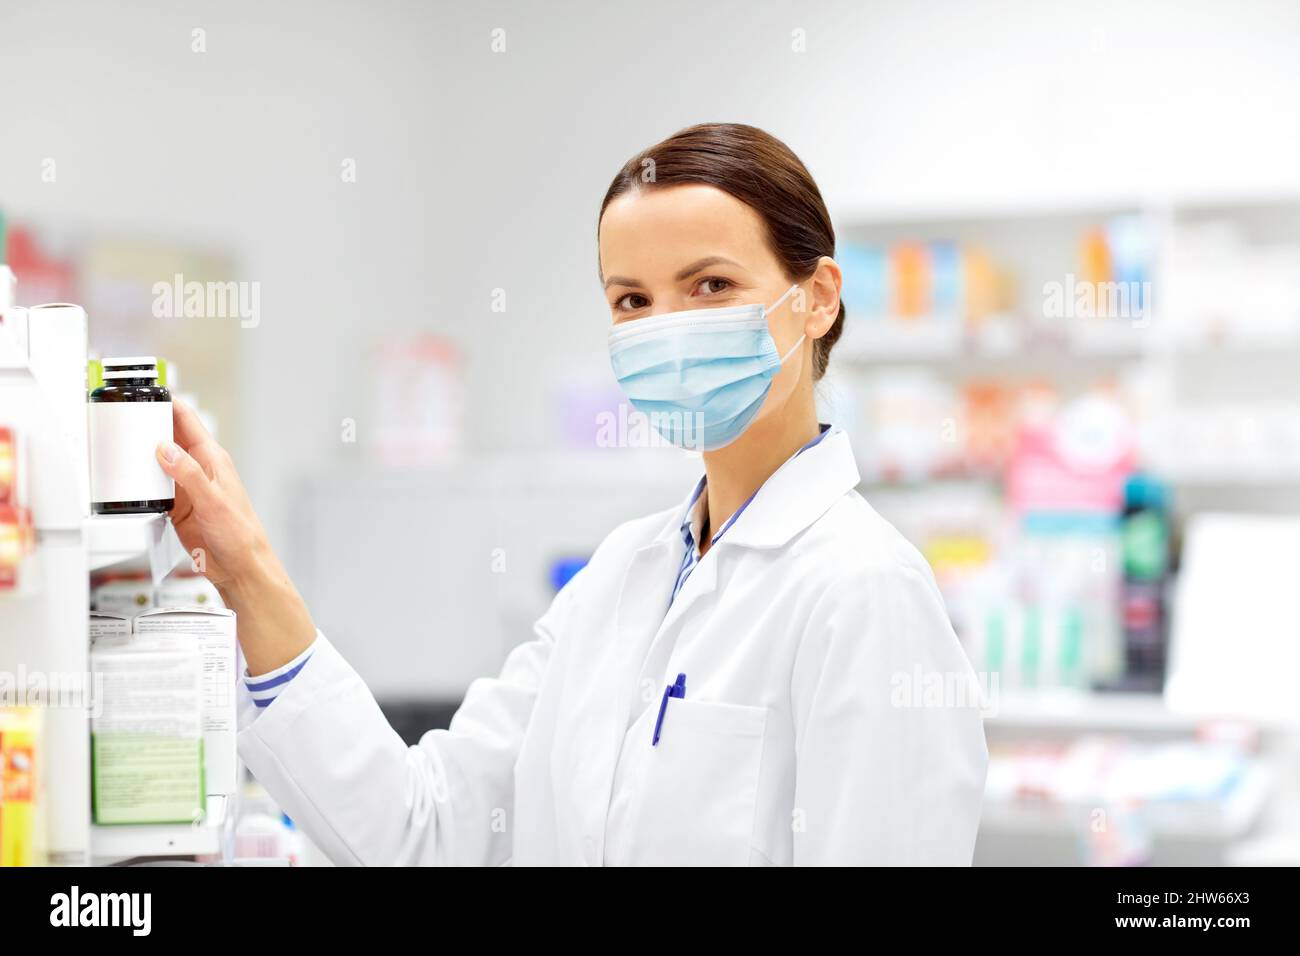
[127, 841]
[1279, 476]
[1083, 711]
[937, 341]
[1228, 818]
[857, 213]
[121, 539]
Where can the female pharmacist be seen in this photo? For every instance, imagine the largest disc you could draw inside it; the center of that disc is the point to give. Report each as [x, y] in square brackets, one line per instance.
[723, 682]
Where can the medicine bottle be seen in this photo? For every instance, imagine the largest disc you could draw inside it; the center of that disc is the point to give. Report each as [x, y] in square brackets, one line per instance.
[129, 415]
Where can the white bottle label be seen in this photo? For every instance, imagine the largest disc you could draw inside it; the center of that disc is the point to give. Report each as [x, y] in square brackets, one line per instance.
[123, 436]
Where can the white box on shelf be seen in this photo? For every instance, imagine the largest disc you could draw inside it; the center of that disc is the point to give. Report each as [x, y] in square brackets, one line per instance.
[125, 597]
[109, 629]
[146, 734]
[186, 590]
[212, 631]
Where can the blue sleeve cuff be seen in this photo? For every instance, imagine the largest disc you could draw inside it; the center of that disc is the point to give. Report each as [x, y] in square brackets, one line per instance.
[264, 688]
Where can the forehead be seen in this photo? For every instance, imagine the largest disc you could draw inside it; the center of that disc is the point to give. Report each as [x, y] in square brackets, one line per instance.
[647, 232]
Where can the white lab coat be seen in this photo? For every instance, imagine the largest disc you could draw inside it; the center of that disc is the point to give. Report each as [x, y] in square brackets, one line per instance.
[793, 744]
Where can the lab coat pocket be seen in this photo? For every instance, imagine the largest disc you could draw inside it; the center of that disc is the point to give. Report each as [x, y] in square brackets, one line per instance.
[700, 785]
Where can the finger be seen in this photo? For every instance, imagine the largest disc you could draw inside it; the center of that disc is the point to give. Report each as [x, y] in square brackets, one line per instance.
[193, 436]
[188, 428]
[182, 506]
[189, 474]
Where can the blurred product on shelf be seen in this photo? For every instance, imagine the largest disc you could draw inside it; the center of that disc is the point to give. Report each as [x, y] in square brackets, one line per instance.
[132, 592]
[1117, 834]
[9, 491]
[1115, 265]
[130, 414]
[17, 535]
[1031, 576]
[22, 828]
[1044, 613]
[914, 425]
[988, 426]
[417, 403]
[1118, 793]
[186, 589]
[914, 282]
[990, 289]
[17, 541]
[1145, 536]
[1074, 460]
[1227, 288]
[1033, 645]
[46, 276]
[865, 289]
[1052, 616]
[263, 831]
[1113, 283]
[1094, 256]
[1132, 255]
[901, 436]
[911, 280]
[126, 594]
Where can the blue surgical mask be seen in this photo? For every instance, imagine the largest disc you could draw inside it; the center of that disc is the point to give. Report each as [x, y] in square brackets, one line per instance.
[699, 376]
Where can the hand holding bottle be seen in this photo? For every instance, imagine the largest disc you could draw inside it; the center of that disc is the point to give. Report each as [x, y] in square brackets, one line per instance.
[219, 528]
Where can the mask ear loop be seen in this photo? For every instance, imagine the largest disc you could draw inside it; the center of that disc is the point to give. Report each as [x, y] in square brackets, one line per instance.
[794, 348]
[785, 295]
[776, 305]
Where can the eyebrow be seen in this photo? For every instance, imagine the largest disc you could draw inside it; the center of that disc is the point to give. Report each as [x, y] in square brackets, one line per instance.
[686, 273]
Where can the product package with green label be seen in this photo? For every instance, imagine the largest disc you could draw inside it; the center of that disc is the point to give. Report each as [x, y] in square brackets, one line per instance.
[146, 735]
[147, 778]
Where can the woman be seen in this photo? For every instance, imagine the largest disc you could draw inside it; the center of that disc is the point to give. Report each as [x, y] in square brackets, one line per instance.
[720, 684]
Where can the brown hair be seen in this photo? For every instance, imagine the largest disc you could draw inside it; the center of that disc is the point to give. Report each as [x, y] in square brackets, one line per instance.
[763, 173]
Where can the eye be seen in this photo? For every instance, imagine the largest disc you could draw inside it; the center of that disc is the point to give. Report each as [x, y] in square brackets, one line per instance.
[712, 285]
[631, 302]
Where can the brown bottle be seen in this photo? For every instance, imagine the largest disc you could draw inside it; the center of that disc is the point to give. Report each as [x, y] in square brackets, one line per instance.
[129, 415]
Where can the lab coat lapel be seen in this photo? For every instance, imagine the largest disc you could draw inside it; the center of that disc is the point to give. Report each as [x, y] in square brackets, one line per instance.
[797, 494]
[702, 582]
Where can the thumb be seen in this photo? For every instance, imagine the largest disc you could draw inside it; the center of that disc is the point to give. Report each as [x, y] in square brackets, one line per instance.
[186, 472]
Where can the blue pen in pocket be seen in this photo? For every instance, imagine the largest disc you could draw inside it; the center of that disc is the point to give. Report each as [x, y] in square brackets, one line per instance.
[677, 689]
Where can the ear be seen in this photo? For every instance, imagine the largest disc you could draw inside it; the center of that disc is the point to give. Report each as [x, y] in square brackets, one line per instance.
[824, 306]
